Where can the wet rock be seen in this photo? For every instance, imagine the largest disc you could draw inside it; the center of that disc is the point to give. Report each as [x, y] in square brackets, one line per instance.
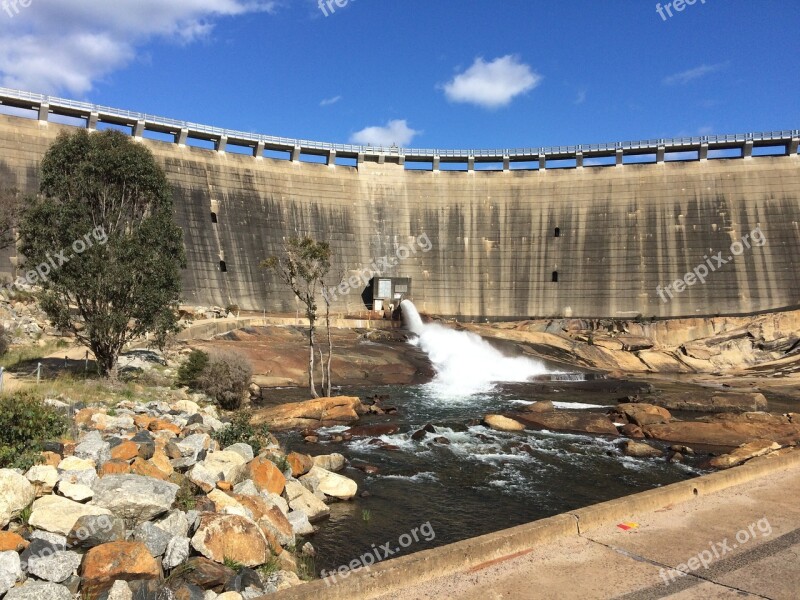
[102, 565]
[373, 430]
[231, 536]
[540, 406]
[632, 430]
[744, 453]
[16, 493]
[422, 432]
[441, 440]
[568, 420]
[643, 414]
[133, 497]
[501, 423]
[728, 430]
[640, 450]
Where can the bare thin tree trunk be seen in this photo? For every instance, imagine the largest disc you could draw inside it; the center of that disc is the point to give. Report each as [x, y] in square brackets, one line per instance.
[311, 345]
[330, 345]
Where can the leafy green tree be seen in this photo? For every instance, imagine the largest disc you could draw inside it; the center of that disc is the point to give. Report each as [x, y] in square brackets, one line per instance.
[303, 267]
[9, 216]
[102, 238]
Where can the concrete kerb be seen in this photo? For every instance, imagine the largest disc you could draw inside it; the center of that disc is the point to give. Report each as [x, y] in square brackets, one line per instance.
[398, 573]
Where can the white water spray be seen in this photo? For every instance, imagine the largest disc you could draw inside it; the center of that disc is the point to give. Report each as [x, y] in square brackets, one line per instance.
[465, 363]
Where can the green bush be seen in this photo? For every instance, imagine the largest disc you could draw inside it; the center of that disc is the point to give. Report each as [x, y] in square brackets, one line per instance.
[25, 422]
[226, 379]
[191, 369]
[5, 341]
[241, 431]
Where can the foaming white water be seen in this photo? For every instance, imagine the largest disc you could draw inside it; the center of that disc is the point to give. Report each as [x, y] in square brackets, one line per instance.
[465, 363]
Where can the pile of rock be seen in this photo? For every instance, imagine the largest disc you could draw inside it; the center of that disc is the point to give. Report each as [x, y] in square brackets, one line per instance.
[147, 501]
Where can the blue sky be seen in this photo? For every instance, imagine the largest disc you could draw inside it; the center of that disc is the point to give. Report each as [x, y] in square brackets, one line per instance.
[432, 73]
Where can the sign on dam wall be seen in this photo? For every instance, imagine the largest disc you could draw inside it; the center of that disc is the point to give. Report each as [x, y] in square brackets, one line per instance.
[668, 239]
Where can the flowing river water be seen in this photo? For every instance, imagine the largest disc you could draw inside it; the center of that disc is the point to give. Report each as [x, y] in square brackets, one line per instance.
[463, 478]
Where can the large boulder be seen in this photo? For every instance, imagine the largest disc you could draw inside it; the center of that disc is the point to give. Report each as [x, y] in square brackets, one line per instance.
[501, 423]
[227, 465]
[93, 447]
[321, 412]
[39, 590]
[274, 522]
[43, 477]
[117, 561]
[640, 450]
[54, 566]
[331, 484]
[643, 414]
[728, 430]
[178, 550]
[133, 497]
[16, 493]
[10, 570]
[59, 515]
[579, 421]
[302, 499]
[94, 530]
[330, 462]
[265, 475]
[744, 453]
[233, 537]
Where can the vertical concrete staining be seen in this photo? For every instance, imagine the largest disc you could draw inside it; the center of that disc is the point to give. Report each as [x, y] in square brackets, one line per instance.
[623, 230]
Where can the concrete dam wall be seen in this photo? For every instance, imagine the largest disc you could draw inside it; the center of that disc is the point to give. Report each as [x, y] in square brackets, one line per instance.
[582, 242]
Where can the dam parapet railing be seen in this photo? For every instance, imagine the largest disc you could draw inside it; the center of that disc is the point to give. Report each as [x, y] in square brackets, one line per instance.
[181, 131]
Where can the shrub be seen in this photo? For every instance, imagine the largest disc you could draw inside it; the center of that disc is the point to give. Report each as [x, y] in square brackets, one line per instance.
[241, 431]
[5, 340]
[191, 369]
[225, 379]
[25, 422]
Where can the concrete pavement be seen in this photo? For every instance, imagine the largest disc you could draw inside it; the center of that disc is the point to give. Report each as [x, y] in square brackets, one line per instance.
[735, 534]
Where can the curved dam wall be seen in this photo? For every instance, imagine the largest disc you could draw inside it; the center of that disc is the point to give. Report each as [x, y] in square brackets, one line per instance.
[623, 230]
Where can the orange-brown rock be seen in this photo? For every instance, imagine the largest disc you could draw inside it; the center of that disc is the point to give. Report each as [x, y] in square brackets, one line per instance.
[265, 475]
[10, 541]
[51, 458]
[83, 418]
[162, 463]
[143, 421]
[225, 486]
[125, 451]
[162, 425]
[147, 469]
[341, 410]
[300, 463]
[233, 537]
[114, 467]
[643, 414]
[107, 563]
[579, 421]
[728, 430]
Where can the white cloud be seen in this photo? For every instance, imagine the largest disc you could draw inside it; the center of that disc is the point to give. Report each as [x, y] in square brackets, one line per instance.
[54, 46]
[492, 84]
[581, 97]
[329, 101]
[395, 132]
[689, 75]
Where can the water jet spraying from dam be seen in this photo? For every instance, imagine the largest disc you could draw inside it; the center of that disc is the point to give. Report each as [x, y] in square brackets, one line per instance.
[465, 363]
